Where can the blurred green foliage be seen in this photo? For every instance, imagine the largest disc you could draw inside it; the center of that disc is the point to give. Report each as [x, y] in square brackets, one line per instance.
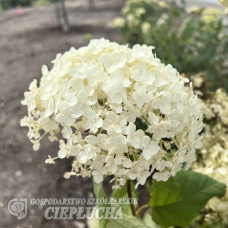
[194, 41]
[6, 4]
[42, 2]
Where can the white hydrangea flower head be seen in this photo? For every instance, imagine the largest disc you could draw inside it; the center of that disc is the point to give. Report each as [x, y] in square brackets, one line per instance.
[117, 111]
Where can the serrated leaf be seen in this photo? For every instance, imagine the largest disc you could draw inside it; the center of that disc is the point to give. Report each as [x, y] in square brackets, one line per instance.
[127, 222]
[179, 200]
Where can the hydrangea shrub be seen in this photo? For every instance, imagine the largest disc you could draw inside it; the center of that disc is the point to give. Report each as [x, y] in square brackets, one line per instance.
[92, 100]
[193, 40]
[213, 157]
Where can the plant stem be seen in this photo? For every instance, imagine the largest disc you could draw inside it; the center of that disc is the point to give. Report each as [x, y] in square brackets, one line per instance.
[129, 192]
[146, 120]
[141, 208]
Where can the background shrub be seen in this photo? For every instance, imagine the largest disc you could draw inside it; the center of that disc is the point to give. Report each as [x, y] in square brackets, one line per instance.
[193, 42]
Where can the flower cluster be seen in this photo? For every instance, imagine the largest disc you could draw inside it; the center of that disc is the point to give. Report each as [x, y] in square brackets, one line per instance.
[117, 111]
[213, 157]
[208, 15]
[135, 10]
[133, 14]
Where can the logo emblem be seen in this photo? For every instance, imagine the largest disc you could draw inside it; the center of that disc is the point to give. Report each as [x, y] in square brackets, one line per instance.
[18, 207]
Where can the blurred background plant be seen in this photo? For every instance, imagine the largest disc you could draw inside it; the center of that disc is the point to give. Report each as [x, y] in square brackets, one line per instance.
[213, 157]
[192, 40]
[224, 3]
[7, 4]
[42, 2]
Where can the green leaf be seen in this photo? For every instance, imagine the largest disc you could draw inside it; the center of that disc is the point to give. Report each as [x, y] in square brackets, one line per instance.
[122, 194]
[147, 219]
[179, 200]
[127, 222]
[99, 192]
